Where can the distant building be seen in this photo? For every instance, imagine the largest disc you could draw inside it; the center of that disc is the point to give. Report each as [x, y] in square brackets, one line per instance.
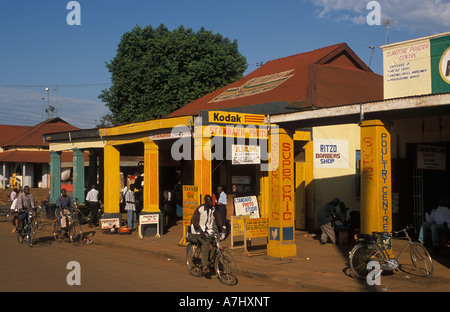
[25, 157]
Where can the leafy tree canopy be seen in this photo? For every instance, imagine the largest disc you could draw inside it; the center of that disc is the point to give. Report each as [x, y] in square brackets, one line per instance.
[157, 71]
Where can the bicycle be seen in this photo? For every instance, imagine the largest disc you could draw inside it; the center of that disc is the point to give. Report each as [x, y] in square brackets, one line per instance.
[220, 258]
[374, 248]
[38, 218]
[85, 212]
[26, 228]
[72, 228]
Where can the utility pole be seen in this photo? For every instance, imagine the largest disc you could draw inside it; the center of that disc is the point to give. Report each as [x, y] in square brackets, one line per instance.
[371, 54]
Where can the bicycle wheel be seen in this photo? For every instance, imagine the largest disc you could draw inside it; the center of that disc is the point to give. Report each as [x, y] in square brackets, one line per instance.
[75, 233]
[361, 255]
[421, 259]
[58, 235]
[38, 219]
[225, 267]
[31, 234]
[21, 233]
[194, 259]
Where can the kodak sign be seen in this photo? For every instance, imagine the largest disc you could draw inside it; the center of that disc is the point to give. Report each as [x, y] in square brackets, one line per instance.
[235, 118]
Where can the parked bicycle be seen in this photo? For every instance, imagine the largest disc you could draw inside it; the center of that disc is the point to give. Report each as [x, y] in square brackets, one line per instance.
[72, 228]
[26, 229]
[375, 248]
[220, 259]
[84, 212]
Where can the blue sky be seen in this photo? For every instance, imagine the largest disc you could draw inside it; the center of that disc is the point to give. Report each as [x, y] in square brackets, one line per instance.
[38, 49]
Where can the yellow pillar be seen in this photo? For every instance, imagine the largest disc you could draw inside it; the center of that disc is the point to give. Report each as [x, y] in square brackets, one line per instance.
[303, 179]
[376, 210]
[263, 198]
[112, 179]
[202, 165]
[281, 196]
[151, 174]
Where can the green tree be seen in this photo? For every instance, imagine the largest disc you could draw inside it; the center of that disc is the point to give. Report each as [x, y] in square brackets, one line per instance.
[157, 71]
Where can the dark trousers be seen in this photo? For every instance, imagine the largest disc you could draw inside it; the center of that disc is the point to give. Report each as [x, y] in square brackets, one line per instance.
[94, 206]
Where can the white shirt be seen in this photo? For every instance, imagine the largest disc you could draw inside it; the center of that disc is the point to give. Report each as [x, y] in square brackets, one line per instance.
[130, 201]
[440, 215]
[92, 195]
[14, 205]
[222, 198]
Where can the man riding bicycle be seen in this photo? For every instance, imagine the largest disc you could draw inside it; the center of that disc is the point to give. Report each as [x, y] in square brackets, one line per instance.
[202, 224]
[64, 204]
[24, 202]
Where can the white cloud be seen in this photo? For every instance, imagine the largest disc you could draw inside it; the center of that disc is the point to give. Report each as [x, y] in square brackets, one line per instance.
[412, 15]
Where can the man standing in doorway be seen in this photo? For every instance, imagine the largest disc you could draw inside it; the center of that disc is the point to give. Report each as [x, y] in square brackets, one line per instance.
[221, 205]
[94, 205]
[130, 207]
[324, 217]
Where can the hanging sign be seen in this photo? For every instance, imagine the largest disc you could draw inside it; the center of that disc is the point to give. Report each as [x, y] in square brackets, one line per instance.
[431, 157]
[245, 154]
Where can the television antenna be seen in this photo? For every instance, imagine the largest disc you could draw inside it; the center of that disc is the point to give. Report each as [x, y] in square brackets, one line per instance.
[387, 24]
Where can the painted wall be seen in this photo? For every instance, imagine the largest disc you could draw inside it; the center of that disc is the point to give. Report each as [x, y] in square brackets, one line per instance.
[334, 165]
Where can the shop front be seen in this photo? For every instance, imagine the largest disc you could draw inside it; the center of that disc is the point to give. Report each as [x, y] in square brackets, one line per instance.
[253, 161]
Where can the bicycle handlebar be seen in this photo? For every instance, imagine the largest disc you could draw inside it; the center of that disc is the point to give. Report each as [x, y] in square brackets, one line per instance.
[374, 235]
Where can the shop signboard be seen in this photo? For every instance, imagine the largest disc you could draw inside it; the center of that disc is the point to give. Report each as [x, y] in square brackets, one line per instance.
[330, 153]
[245, 154]
[417, 67]
[191, 201]
[148, 219]
[246, 206]
[110, 223]
[431, 157]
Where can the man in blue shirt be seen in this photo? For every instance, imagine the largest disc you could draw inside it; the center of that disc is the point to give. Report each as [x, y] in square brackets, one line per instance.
[63, 202]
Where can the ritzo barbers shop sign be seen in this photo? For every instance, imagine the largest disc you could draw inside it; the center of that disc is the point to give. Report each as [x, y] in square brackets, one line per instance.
[330, 153]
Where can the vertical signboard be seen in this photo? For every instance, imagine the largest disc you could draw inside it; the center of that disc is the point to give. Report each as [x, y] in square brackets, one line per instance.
[281, 197]
[191, 201]
[376, 210]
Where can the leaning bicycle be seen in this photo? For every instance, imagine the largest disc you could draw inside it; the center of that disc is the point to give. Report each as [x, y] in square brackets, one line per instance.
[375, 248]
[220, 259]
[68, 227]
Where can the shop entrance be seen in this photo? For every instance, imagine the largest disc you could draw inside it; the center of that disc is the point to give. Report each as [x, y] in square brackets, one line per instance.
[421, 186]
[239, 177]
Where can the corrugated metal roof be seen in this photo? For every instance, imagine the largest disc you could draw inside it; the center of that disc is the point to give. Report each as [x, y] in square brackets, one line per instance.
[34, 156]
[33, 135]
[329, 76]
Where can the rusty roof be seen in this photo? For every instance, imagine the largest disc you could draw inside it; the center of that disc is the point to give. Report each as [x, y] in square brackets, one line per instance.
[32, 136]
[325, 77]
[42, 156]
